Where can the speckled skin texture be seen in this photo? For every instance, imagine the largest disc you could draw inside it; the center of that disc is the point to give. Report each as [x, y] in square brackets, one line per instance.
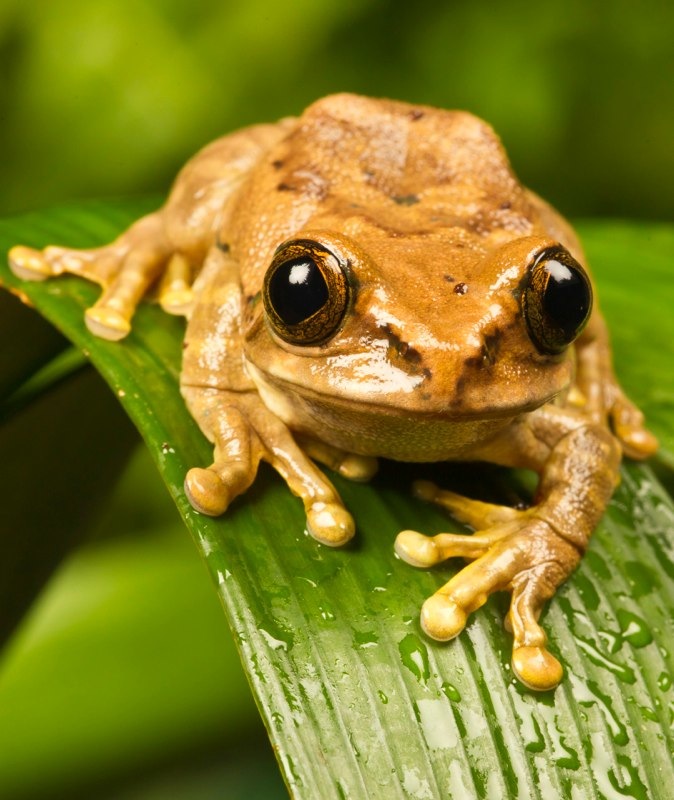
[432, 357]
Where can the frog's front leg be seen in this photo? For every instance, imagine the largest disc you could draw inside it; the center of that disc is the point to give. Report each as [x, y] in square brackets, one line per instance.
[224, 401]
[529, 553]
[244, 432]
[125, 269]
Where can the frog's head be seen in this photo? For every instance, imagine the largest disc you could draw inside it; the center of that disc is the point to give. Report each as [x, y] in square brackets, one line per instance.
[427, 341]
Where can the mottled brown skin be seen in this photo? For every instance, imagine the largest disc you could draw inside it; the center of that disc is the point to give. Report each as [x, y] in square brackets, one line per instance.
[432, 360]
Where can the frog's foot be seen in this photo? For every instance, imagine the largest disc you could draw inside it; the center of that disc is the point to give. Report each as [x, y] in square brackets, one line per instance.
[125, 269]
[245, 434]
[523, 555]
[349, 465]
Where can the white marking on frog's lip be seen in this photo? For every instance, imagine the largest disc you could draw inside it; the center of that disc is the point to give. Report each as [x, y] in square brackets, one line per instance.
[353, 373]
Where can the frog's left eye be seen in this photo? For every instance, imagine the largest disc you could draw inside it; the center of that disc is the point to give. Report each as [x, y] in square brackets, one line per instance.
[306, 292]
[556, 301]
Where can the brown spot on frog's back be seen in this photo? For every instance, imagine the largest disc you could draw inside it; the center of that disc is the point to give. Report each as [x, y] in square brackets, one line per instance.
[405, 199]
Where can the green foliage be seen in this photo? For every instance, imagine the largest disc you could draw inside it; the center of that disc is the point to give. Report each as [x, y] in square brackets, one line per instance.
[356, 701]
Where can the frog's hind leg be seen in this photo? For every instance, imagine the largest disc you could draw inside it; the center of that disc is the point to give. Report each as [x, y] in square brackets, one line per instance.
[526, 552]
[125, 269]
[503, 560]
[600, 396]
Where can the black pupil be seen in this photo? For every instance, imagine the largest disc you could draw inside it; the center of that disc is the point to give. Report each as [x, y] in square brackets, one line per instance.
[566, 300]
[297, 289]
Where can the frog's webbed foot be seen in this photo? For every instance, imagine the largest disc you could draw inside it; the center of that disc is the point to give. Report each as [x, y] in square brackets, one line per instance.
[517, 552]
[126, 269]
[245, 432]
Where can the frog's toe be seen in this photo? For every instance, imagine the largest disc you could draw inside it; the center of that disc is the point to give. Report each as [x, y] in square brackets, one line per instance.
[29, 264]
[358, 468]
[426, 551]
[425, 490]
[628, 425]
[637, 442]
[349, 465]
[207, 492]
[537, 668]
[330, 523]
[475, 513]
[175, 292]
[177, 301]
[442, 618]
[107, 323]
[417, 549]
[532, 663]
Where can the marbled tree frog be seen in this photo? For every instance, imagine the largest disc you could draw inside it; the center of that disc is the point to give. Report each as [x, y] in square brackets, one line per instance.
[371, 280]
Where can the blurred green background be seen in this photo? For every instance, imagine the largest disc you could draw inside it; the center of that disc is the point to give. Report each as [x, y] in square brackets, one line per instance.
[102, 98]
[109, 97]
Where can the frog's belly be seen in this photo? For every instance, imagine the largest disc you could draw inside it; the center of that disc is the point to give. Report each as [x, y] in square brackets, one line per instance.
[379, 431]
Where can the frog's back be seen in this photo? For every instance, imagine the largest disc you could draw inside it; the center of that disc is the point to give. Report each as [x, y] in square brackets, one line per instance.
[398, 147]
[406, 167]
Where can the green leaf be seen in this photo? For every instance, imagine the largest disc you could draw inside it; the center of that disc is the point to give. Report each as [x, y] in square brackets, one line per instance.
[357, 701]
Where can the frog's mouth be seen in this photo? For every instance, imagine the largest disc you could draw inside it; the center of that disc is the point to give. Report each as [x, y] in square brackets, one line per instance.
[420, 431]
[503, 391]
[372, 428]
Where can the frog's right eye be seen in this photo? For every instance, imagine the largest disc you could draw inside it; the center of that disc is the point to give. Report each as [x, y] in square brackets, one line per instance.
[306, 293]
[557, 300]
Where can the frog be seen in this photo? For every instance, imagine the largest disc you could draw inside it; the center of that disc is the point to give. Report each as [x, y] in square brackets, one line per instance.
[371, 280]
